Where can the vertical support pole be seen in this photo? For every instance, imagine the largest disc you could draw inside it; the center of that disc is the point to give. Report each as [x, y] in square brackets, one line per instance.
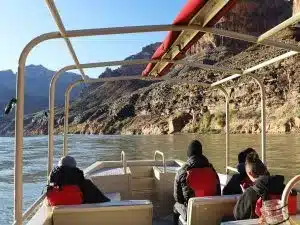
[51, 125]
[51, 115]
[66, 119]
[19, 118]
[263, 117]
[227, 126]
[19, 126]
[227, 131]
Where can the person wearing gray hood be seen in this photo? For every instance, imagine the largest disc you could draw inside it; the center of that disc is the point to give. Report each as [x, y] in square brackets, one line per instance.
[67, 174]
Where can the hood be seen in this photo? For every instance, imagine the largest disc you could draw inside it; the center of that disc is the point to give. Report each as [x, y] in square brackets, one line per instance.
[197, 162]
[66, 176]
[265, 185]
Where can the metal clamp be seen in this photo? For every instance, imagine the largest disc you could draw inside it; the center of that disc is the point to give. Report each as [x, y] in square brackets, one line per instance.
[163, 159]
[124, 161]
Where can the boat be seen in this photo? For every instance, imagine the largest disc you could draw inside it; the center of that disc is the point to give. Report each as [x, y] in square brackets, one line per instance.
[143, 188]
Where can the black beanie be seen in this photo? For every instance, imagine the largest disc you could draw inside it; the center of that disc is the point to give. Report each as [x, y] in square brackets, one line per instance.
[195, 148]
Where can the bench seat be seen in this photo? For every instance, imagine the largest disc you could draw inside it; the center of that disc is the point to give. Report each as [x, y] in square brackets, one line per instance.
[209, 210]
[129, 212]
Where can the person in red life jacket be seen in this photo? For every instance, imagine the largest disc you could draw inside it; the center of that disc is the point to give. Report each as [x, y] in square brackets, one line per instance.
[69, 187]
[265, 187]
[196, 178]
[241, 178]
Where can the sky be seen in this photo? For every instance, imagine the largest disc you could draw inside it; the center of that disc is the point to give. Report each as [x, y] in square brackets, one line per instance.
[22, 20]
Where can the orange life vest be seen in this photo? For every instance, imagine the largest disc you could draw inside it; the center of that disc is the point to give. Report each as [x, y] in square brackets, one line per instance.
[203, 181]
[66, 195]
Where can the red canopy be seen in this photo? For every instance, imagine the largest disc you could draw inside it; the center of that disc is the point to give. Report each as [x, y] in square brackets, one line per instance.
[189, 11]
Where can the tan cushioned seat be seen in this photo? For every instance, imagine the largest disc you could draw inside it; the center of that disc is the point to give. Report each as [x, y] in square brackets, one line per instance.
[210, 210]
[137, 212]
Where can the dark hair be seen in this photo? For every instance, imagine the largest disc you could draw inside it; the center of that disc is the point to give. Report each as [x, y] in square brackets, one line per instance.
[243, 154]
[256, 166]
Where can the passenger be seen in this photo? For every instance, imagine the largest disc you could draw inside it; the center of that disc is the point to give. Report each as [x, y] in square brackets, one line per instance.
[240, 179]
[197, 178]
[265, 187]
[69, 187]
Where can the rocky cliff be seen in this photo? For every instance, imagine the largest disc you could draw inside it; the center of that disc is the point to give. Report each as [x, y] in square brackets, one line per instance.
[139, 107]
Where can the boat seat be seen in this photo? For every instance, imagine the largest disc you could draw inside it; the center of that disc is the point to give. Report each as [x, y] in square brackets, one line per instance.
[224, 179]
[130, 212]
[209, 210]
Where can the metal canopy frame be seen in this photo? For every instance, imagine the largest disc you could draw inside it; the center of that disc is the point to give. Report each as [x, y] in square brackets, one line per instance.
[66, 35]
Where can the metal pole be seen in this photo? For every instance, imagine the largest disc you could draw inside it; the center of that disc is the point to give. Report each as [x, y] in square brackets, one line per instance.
[18, 176]
[263, 117]
[290, 21]
[227, 128]
[66, 119]
[160, 28]
[61, 27]
[254, 68]
[51, 115]
[19, 125]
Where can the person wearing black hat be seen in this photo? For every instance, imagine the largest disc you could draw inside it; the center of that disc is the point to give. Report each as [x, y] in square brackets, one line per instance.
[241, 179]
[196, 178]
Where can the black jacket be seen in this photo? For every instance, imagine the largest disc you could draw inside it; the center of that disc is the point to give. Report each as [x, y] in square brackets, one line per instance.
[264, 185]
[73, 176]
[182, 193]
[233, 186]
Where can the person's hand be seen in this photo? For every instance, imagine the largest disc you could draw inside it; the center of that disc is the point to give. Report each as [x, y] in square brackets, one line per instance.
[243, 189]
[261, 220]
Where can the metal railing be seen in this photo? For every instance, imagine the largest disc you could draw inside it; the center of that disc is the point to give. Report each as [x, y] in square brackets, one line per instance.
[26, 215]
[231, 169]
[19, 115]
[163, 159]
[124, 161]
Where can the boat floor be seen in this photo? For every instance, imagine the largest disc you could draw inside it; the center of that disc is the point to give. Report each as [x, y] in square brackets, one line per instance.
[163, 221]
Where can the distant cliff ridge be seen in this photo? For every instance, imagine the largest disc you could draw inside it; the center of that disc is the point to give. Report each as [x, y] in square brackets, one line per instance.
[140, 107]
[146, 53]
[37, 80]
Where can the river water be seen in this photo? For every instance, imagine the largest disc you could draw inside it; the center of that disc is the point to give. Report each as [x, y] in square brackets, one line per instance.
[282, 156]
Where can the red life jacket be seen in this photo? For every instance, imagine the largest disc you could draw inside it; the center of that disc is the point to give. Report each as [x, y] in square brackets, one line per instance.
[292, 204]
[203, 181]
[66, 195]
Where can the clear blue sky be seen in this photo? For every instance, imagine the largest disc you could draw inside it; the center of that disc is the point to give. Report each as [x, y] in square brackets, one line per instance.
[21, 20]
